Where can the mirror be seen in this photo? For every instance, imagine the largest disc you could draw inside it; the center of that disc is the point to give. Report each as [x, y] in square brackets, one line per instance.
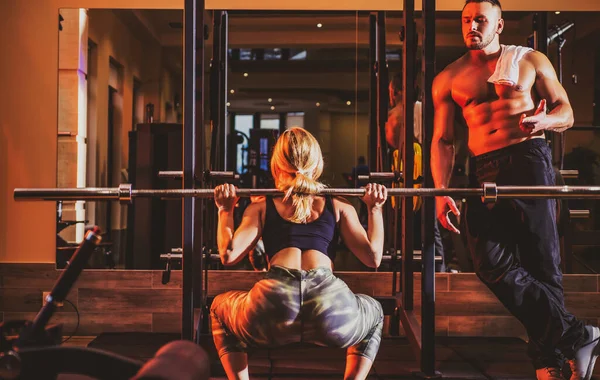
[577, 58]
[120, 108]
[285, 68]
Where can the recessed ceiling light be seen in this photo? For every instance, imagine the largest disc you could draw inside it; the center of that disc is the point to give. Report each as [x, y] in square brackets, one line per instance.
[319, 25]
[318, 104]
[348, 102]
[245, 74]
[228, 104]
[232, 91]
[272, 107]
[557, 12]
[270, 100]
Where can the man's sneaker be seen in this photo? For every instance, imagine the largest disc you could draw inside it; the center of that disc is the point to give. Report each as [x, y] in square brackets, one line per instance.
[549, 373]
[582, 366]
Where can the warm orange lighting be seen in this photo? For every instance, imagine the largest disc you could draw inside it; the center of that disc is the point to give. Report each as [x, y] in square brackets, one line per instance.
[557, 12]
[318, 104]
[272, 108]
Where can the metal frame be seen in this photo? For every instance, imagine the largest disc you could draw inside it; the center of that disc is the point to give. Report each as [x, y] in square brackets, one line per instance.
[408, 98]
[427, 362]
[378, 94]
[193, 142]
[218, 90]
[422, 338]
[382, 92]
[373, 98]
[540, 43]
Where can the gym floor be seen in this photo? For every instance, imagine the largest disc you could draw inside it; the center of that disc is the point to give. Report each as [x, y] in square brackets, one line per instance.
[457, 357]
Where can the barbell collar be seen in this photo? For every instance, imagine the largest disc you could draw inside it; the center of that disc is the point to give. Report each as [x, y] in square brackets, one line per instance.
[490, 192]
[125, 193]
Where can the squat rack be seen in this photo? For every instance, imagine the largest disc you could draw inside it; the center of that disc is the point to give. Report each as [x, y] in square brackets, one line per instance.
[421, 337]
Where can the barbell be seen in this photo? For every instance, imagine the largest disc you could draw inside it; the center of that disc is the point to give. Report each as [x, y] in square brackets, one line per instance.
[489, 193]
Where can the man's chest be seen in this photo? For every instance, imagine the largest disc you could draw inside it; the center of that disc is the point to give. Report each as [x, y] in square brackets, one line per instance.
[471, 86]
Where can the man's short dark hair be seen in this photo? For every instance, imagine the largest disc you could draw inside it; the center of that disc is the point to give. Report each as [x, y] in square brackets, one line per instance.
[362, 160]
[493, 2]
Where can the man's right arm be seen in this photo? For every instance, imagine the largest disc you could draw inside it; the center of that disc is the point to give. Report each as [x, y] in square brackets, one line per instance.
[442, 144]
[442, 147]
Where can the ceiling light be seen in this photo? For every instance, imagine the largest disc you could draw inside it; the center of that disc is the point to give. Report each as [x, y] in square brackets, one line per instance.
[272, 107]
[348, 102]
[228, 104]
[557, 12]
[245, 74]
[318, 104]
[269, 100]
[319, 25]
[232, 91]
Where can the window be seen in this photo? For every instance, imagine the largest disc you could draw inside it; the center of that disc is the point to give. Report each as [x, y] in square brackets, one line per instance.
[269, 121]
[295, 119]
[243, 124]
[271, 54]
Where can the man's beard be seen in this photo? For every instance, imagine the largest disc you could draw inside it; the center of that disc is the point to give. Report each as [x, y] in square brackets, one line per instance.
[484, 42]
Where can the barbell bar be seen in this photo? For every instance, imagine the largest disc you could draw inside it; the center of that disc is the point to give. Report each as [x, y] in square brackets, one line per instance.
[381, 176]
[397, 176]
[489, 193]
[209, 175]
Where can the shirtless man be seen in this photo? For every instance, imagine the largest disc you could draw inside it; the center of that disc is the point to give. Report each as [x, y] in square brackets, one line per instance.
[506, 124]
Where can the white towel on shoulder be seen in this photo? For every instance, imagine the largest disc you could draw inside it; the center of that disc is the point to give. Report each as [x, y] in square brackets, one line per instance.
[507, 67]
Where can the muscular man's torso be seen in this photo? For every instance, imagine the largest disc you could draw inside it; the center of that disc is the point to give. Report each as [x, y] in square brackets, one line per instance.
[491, 111]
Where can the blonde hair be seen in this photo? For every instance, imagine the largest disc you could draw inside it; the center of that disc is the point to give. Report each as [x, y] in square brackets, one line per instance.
[296, 165]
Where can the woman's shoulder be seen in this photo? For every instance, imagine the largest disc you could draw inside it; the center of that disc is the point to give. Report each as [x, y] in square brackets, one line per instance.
[257, 203]
[341, 203]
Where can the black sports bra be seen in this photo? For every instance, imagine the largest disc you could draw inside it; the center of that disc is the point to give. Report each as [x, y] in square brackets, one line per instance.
[321, 234]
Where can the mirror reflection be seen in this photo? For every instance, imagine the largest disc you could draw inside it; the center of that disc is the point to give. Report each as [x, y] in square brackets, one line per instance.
[119, 119]
[120, 115]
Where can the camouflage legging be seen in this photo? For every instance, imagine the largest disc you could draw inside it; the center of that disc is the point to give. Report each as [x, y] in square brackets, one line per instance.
[293, 306]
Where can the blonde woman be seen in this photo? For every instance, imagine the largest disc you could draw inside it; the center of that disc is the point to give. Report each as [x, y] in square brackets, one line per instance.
[300, 299]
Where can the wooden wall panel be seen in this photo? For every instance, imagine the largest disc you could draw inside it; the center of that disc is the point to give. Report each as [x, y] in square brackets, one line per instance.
[107, 279]
[492, 326]
[166, 322]
[129, 300]
[28, 275]
[114, 301]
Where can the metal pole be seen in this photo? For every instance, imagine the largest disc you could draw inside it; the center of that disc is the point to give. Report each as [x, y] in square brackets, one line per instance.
[540, 32]
[560, 42]
[382, 91]
[223, 125]
[197, 270]
[192, 135]
[489, 193]
[373, 98]
[540, 43]
[408, 98]
[218, 91]
[427, 363]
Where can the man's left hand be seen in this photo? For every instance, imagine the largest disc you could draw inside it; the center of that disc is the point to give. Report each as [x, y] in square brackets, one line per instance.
[537, 122]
